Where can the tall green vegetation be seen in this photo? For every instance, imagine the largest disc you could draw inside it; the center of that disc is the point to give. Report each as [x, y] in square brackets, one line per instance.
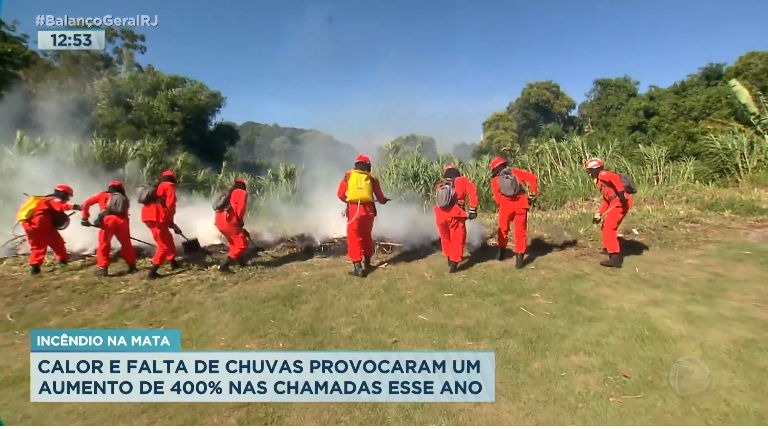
[709, 128]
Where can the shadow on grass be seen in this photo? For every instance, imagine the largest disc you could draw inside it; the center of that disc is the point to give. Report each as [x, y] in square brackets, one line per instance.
[481, 255]
[411, 255]
[540, 247]
[632, 247]
[289, 258]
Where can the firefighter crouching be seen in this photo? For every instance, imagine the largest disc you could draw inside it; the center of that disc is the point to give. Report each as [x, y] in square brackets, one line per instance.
[453, 193]
[42, 218]
[617, 201]
[112, 221]
[230, 220]
[157, 213]
[509, 193]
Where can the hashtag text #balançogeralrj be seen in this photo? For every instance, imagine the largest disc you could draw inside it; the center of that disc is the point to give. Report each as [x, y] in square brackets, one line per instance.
[96, 21]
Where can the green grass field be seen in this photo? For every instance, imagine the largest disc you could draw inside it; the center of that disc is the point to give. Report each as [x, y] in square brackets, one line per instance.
[575, 343]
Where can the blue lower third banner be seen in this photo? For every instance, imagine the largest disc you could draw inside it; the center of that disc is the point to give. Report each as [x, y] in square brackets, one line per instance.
[62, 373]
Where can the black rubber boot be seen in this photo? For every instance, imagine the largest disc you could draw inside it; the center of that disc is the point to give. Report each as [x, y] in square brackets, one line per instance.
[153, 272]
[103, 272]
[132, 269]
[242, 261]
[175, 264]
[449, 261]
[367, 263]
[34, 270]
[453, 266]
[604, 252]
[357, 270]
[502, 253]
[519, 260]
[614, 261]
[224, 267]
[63, 263]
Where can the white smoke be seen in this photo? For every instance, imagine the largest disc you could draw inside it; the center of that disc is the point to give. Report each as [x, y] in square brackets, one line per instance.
[317, 212]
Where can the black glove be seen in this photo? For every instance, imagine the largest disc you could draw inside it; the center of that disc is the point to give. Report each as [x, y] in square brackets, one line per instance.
[531, 198]
[77, 207]
[85, 222]
[472, 213]
[597, 218]
[176, 228]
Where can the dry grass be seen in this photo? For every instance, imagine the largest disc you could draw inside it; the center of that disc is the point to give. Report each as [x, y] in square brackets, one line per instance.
[575, 343]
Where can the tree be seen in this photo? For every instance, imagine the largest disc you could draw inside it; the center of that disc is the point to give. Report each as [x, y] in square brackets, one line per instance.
[424, 146]
[15, 55]
[605, 103]
[150, 104]
[541, 105]
[499, 135]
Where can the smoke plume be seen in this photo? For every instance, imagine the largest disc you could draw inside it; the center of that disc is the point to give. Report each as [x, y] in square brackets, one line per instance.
[317, 213]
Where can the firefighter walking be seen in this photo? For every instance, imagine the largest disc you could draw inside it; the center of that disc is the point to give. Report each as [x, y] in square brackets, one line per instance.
[513, 203]
[112, 221]
[357, 190]
[617, 201]
[453, 193]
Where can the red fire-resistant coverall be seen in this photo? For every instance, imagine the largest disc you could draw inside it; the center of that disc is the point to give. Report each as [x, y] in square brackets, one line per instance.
[229, 223]
[514, 209]
[158, 217]
[451, 222]
[609, 182]
[114, 226]
[41, 234]
[360, 223]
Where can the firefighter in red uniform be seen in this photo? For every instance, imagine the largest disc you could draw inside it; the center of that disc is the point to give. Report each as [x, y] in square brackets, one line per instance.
[616, 204]
[357, 191]
[451, 221]
[513, 209]
[159, 216]
[230, 221]
[111, 225]
[42, 228]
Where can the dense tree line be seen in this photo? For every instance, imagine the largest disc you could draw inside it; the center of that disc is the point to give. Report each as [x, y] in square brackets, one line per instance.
[111, 94]
[677, 117]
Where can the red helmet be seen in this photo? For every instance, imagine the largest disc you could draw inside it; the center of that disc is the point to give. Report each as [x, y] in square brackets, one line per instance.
[115, 183]
[497, 162]
[168, 173]
[65, 189]
[239, 180]
[593, 163]
[362, 158]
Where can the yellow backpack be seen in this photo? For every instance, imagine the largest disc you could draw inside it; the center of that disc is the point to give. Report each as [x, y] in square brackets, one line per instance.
[359, 187]
[28, 208]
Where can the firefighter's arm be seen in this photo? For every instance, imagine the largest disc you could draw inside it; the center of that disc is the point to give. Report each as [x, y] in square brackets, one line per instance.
[342, 191]
[61, 206]
[528, 178]
[471, 192]
[377, 191]
[496, 190]
[86, 212]
[603, 207]
[169, 195]
[238, 202]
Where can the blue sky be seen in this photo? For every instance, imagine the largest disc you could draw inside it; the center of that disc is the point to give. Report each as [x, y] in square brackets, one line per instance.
[366, 71]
